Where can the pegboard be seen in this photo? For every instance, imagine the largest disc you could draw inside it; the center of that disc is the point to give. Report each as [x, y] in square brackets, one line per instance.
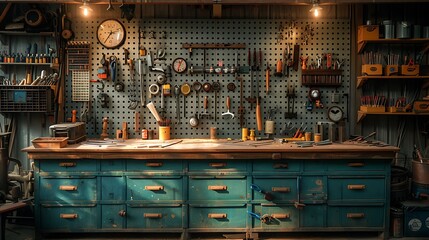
[329, 36]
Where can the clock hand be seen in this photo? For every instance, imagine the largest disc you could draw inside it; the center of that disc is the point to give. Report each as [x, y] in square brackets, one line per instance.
[108, 36]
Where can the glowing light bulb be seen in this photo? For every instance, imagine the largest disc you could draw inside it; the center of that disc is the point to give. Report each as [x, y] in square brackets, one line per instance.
[86, 12]
[316, 13]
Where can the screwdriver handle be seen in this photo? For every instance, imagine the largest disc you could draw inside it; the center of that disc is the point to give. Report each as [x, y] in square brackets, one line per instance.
[228, 102]
[206, 102]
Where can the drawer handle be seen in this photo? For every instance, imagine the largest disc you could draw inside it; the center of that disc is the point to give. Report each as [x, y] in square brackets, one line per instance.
[68, 188]
[217, 215]
[355, 215]
[280, 215]
[154, 164]
[280, 189]
[68, 215]
[276, 156]
[218, 188]
[154, 188]
[217, 164]
[67, 164]
[152, 215]
[122, 213]
[356, 164]
[356, 187]
[280, 165]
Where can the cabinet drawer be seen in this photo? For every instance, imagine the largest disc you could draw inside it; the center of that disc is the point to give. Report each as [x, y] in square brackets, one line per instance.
[278, 189]
[113, 216]
[356, 189]
[112, 188]
[110, 165]
[155, 189]
[68, 219]
[155, 217]
[356, 165]
[217, 166]
[154, 165]
[68, 189]
[276, 216]
[223, 217]
[313, 189]
[276, 166]
[217, 188]
[78, 165]
[313, 216]
[359, 217]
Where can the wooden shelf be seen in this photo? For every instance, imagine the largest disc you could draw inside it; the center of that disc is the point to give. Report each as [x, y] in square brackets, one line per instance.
[362, 114]
[361, 80]
[51, 65]
[421, 41]
[22, 33]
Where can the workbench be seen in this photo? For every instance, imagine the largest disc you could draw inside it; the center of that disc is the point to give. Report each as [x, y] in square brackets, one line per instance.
[212, 188]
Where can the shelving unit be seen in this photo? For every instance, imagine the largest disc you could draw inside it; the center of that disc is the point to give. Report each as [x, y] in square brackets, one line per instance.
[361, 80]
[362, 114]
[424, 42]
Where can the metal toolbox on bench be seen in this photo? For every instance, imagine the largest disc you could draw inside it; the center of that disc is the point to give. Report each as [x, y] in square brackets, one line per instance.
[74, 131]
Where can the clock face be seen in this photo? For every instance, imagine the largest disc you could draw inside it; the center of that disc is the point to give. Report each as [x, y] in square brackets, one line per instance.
[111, 33]
[179, 65]
[335, 114]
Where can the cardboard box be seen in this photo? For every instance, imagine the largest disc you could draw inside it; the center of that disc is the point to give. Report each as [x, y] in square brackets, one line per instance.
[410, 70]
[421, 106]
[391, 70]
[368, 32]
[372, 70]
[370, 109]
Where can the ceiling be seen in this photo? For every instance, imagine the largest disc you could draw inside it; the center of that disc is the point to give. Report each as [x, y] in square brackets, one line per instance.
[234, 2]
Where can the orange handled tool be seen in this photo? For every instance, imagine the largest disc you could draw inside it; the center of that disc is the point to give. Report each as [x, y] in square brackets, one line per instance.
[73, 116]
[258, 114]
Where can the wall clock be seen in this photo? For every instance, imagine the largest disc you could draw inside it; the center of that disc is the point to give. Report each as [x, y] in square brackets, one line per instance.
[111, 33]
[335, 114]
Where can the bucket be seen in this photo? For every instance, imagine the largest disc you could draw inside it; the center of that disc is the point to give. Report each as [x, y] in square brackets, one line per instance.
[403, 30]
[389, 29]
[421, 171]
[399, 187]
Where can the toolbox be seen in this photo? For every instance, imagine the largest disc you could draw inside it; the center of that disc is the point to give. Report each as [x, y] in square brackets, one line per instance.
[74, 131]
[416, 218]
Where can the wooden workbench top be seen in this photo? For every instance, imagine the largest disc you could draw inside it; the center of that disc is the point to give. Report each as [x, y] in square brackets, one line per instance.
[206, 148]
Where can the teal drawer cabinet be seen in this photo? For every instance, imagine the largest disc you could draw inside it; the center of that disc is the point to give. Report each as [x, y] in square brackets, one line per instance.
[190, 194]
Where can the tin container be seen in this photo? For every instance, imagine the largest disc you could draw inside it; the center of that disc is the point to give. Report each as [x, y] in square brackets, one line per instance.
[421, 171]
[389, 29]
[417, 31]
[403, 30]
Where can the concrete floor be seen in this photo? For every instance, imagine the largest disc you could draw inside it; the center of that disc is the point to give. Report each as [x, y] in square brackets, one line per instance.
[24, 232]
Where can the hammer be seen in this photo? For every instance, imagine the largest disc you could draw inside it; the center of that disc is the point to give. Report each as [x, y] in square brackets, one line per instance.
[228, 105]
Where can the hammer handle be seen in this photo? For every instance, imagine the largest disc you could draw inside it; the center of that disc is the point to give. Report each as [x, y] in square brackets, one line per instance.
[228, 102]
[258, 115]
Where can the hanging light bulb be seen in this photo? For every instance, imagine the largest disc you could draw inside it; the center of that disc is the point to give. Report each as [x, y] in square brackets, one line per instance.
[86, 9]
[315, 9]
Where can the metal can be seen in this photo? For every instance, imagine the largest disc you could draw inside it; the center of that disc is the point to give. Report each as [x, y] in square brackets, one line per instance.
[144, 134]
